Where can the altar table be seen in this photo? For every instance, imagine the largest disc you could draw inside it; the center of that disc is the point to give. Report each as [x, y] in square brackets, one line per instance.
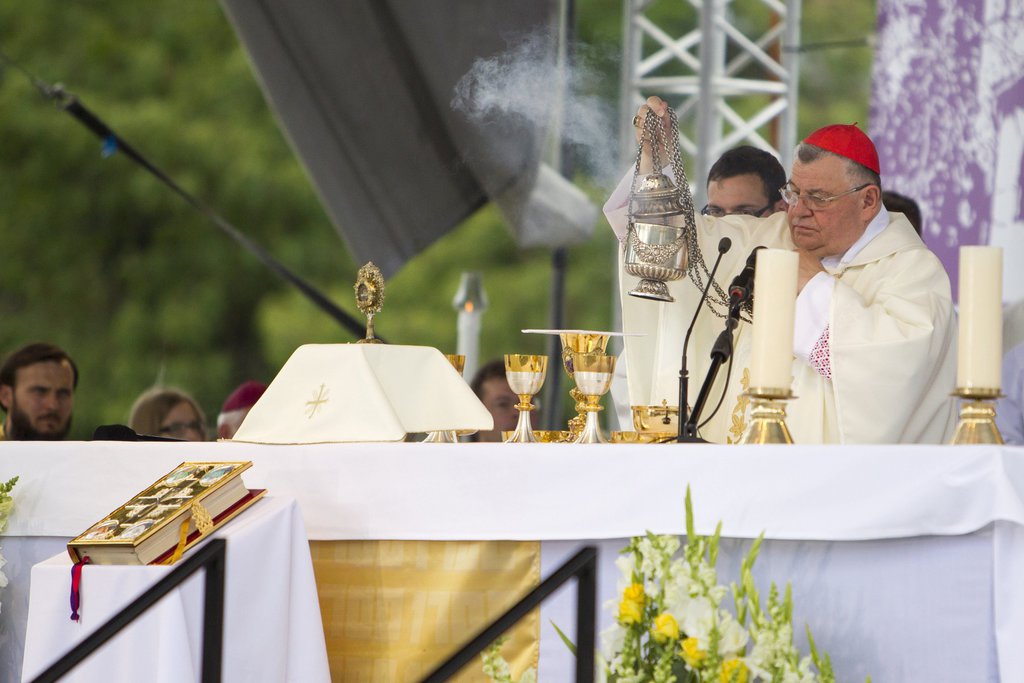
[272, 629]
[905, 560]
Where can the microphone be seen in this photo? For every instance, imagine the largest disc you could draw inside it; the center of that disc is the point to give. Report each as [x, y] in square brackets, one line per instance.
[124, 433]
[742, 286]
[683, 434]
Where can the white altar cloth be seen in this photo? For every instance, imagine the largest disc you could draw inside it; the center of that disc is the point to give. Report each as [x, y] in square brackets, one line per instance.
[272, 626]
[905, 560]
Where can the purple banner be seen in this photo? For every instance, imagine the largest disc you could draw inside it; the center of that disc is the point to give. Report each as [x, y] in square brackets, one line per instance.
[947, 115]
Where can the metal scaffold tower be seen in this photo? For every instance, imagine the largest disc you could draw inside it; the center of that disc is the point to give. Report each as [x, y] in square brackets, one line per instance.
[729, 68]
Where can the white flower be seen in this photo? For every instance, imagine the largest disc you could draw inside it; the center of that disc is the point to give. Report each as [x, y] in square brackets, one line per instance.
[612, 639]
[698, 617]
[733, 636]
[626, 565]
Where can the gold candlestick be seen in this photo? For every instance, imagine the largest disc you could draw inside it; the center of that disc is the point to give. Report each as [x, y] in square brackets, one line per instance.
[767, 416]
[977, 417]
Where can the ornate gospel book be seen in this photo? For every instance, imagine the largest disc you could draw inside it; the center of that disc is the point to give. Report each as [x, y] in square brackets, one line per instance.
[167, 517]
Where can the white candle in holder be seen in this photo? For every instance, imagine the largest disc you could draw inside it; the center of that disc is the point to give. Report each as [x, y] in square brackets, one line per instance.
[979, 362]
[775, 279]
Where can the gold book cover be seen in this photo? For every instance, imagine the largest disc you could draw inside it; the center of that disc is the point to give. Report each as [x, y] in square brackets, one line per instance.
[167, 517]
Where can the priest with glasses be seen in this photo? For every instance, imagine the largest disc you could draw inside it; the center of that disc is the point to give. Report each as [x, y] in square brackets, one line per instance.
[874, 350]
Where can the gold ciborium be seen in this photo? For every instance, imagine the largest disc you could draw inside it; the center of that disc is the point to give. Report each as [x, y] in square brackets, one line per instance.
[593, 375]
[587, 344]
[525, 374]
[653, 424]
[977, 423]
[458, 362]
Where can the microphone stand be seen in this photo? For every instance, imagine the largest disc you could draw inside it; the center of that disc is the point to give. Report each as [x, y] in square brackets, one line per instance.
[720, 353]
[687, 433]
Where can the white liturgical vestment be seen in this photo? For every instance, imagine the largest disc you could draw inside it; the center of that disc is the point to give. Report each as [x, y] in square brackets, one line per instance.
[874, 346]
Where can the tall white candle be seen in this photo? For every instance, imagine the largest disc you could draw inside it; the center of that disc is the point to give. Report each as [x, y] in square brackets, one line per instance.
[981, 318]
[775, 279]
[467, 341]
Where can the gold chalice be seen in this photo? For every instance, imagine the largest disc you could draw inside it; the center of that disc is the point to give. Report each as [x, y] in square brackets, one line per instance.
[458, 362]
[587, 344]
[525, 374]
[593, 374]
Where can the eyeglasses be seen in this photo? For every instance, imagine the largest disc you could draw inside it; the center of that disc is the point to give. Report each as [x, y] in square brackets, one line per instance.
[815, 202]
[182, 427]
[718, 212]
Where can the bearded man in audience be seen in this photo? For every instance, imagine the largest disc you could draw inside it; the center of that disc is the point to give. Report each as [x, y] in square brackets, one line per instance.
[37, 391]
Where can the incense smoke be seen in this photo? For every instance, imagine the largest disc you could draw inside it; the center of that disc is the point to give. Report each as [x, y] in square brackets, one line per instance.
[526, 82]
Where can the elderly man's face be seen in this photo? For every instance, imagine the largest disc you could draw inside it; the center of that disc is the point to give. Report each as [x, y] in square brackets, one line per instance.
[834, 229]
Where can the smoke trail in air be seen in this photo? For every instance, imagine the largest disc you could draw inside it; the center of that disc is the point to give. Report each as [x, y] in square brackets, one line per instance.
[525, 81]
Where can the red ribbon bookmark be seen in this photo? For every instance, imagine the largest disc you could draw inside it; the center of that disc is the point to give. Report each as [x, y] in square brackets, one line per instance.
[76, 587]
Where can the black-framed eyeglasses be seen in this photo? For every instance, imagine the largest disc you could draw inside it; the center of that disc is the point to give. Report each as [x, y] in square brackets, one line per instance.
[815, 202]
[718, 212]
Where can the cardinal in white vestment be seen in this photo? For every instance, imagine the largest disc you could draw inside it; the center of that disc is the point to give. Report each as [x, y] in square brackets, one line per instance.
[874, 350]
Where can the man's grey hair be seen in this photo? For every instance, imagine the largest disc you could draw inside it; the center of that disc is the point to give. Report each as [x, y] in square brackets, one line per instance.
[858, 174]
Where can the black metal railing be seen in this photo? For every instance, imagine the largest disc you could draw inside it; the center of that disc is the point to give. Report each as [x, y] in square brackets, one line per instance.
[582, 566]
[210, 557]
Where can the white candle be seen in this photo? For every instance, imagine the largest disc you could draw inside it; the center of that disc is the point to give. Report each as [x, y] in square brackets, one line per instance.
[981, 318]
[467, 340]
[775, 279]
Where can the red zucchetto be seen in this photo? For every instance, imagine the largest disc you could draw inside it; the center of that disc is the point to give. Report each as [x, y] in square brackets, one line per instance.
[847, 141]
[245, 396]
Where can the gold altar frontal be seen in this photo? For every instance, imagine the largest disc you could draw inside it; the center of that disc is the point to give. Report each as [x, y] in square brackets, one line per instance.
[394, 610]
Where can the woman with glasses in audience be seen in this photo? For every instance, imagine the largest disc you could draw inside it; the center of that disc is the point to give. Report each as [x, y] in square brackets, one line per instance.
[167, 412]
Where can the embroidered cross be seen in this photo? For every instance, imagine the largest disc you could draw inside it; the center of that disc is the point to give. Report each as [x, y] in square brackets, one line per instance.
[318, 400]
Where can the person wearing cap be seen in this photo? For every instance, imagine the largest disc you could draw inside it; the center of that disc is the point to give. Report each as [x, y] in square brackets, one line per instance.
[874, 339]
[236, 407]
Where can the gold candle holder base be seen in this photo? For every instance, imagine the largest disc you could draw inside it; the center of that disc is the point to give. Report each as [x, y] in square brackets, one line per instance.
[977, 417]
[767, 416]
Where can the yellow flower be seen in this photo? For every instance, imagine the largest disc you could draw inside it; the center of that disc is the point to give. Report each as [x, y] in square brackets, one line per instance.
[733, 671]
[630, 612]
[665, 628]
[631, 609]
[692, 654]
[635, 593]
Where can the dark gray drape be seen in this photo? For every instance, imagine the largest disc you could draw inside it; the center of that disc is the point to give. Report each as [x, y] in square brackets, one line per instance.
[363, 89]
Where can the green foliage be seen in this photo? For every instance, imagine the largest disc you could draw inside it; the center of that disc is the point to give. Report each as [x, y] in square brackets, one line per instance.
[100, 258]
